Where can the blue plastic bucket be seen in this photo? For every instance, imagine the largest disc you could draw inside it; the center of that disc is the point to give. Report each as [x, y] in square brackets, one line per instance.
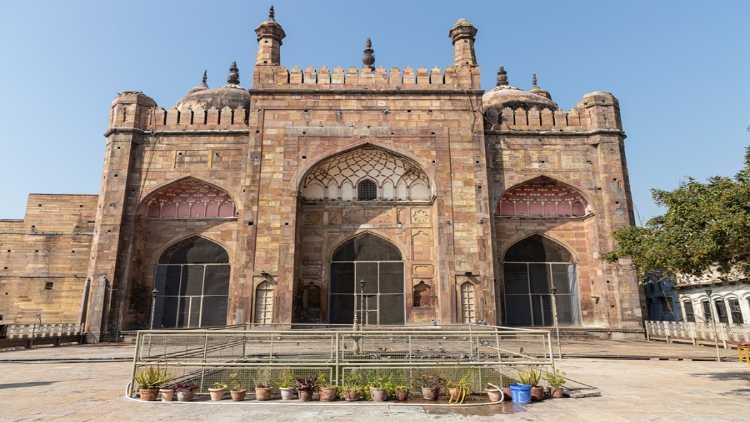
[520, 393]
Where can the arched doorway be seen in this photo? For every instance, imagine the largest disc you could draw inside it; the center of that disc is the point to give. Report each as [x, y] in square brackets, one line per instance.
[373, 269]
[192, 280]
[532, 268]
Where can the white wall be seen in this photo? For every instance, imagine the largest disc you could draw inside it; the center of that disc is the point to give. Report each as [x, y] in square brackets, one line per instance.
[697, 294]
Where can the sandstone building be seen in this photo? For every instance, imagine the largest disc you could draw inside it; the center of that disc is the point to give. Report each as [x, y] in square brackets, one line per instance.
[275, 204]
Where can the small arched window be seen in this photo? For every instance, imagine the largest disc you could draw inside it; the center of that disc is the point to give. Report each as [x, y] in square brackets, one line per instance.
[367, 190]
[468, 303]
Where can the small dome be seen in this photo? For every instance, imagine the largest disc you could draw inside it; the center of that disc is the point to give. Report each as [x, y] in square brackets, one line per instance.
[505, 95]
[226, 96]
[231, 95]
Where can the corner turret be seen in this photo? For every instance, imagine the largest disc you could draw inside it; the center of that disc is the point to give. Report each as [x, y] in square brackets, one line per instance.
[270, 35]
[463, 35]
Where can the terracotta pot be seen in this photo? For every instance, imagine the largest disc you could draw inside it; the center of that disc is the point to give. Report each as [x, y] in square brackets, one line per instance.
[167, 394]
[304, 395]
[506, 392]
[238, 395]
[216, 393]
[184, 395]
[537, 393]
[493, 395]
[148, 394]
[352, 395]
[431, 394]
[402, 395]
[263, 393]
[328, 394]
[378, 394]
[557, 393]
[287, 393]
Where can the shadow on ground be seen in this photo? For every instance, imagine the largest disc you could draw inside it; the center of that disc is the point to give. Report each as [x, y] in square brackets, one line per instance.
[25, 384]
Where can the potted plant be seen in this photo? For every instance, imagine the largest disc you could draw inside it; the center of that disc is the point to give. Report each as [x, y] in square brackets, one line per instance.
[402, 392]
[149, 380]
[431, 385]
[287, 385]
[235, 387]
[494, 393]
[305, 387]
[534, 377]
[458, 389]
[379, 388]
[521, 392]
[351, 392]
[166, 393]
[556, 380]
[327, 390]
[185, 391]
[263, 387]
[217, 391]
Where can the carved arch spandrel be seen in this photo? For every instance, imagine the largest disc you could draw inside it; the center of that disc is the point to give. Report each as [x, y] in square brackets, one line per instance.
[188, 198]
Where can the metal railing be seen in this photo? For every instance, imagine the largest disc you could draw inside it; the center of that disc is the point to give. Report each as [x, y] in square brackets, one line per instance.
[247, 353]
[12, 335]
[698, 333]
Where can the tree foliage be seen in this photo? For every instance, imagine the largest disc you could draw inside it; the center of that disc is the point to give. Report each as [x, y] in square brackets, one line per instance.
[706, 226]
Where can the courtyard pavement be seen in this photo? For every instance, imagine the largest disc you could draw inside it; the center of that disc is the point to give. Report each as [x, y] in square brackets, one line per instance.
[67, 383]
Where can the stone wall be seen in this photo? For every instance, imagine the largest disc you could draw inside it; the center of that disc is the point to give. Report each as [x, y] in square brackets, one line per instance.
[43, 259]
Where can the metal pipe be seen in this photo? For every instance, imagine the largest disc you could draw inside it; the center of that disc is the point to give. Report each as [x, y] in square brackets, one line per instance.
[713, 323]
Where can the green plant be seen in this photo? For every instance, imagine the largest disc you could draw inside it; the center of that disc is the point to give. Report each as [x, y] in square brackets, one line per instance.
[263, 378]
[530, 376]
[286, 380]
[219, 386]
[306, 384]
[235, 383]
[401, 387]
[152, 377]
[431, 381]
[555, 379]
[461, 382]
[323, 381]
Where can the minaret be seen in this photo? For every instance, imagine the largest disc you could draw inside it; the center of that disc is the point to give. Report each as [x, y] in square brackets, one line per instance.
[502, 77]
[462, 34]
[270, 34]
[368, 58]
[234, 75]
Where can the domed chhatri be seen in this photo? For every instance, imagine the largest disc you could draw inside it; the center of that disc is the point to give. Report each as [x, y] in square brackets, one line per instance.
[506, 95]
[231, 95]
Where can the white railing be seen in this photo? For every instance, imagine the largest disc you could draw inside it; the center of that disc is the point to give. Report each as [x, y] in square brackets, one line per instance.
[64, 329]
[729, 335]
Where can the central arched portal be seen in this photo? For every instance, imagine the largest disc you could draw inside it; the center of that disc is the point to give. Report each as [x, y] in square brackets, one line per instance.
[372, 269]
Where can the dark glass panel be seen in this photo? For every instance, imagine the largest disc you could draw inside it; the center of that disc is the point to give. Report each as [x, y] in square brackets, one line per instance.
[367, 272]
[195, 311]
[192, 280]
[516, 279]
[169, 313]
[542, 308]
[214, 311]
[367, 248]
[342, 278]
[721, 311]
[194, 250]
[734, 308]
[342, 309]
[689, 312]
[217, 280]
[538, 278]
[367, 190]
[182, 315]
[561, 278]
[706, 311]
[566, 309]
[172, 279]
[518, 311]
[391, 277]
[537, 249]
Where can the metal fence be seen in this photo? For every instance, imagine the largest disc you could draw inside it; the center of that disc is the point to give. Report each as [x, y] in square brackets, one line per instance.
[698, 332]
[480, 353]
[12, 335]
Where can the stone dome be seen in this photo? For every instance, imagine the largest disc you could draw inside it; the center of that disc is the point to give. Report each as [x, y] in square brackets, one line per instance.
[506, 95]
[231, 95]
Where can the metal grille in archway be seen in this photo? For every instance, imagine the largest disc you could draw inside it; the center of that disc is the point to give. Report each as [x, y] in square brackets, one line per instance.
[532, 268]
[373, 269]
[192, 282]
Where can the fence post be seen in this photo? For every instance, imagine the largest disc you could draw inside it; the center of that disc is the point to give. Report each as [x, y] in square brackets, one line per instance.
[336, 359]
[205, 355]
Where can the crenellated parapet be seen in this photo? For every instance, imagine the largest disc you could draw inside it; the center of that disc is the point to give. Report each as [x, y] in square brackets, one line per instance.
[596, 111]
[365, 78]
[154, 118]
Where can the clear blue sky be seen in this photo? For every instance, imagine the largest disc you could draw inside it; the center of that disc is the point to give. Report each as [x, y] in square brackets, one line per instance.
[680, 70]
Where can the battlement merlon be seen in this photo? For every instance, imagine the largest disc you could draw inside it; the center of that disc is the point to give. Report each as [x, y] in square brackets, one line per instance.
[597, 111]
[354, 78]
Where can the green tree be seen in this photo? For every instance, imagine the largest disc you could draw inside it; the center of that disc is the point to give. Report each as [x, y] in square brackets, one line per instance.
[706, 226]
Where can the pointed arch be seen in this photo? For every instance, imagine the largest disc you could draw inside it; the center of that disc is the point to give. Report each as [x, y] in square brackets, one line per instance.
[188, 198]
[363, 240]
[542, 197]
[367, 161]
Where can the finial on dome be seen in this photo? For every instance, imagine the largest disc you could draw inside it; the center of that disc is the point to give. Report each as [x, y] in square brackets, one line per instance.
[368, 59]
[502, 77]
[234, 74]
[271, 14]
[205, 77]
[534, 81]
